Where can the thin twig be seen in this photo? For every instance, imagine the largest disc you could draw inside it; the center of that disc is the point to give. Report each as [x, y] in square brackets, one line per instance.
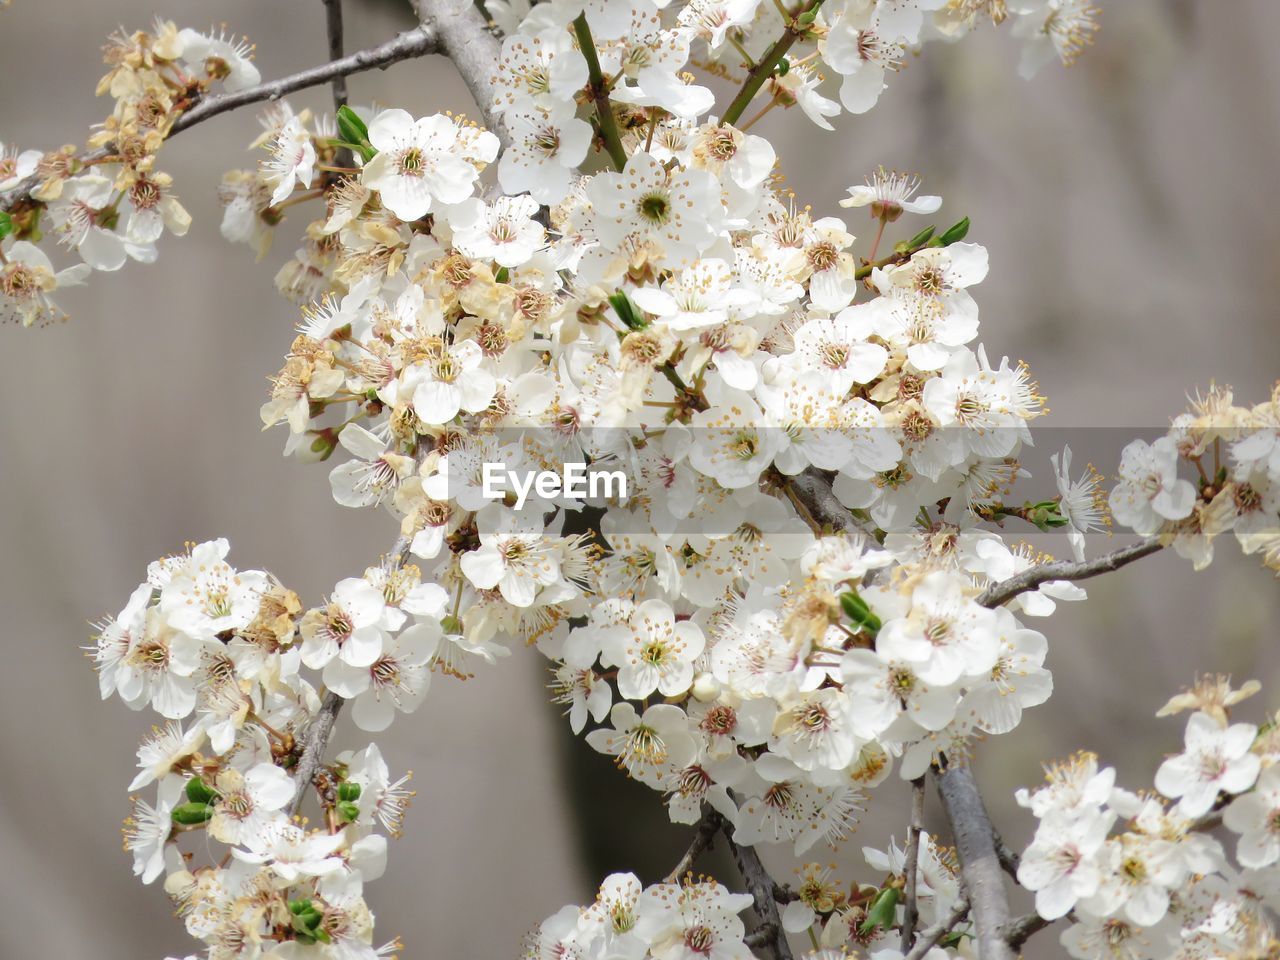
[980, 867]
[763, 70]
[411, 43]
[710, 824]
[763, 889]
[315, 737]
[1019, 931]
[599, 88]
[333, 26]
[1032, 577]
[910, 866]
[930, 937]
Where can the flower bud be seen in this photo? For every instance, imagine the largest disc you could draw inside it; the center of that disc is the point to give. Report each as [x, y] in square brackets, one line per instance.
[348, 791]
[199, 792]
[191, 814]
[348, 811]
[705, 687]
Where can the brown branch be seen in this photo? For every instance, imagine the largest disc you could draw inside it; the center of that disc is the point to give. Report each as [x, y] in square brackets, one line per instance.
[703, 837]
[1032, 577]
[812, 489]
[910, 867]
[762, 888]
[465, 38]
[333, 26]
[1019, 931]
[412, 43]
[929, 938]
[315, 737]
[980, 868]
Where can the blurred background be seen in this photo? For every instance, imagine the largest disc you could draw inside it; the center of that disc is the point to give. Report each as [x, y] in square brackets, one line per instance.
[1135, 249]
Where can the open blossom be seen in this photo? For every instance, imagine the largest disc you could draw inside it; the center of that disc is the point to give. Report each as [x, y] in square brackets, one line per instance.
[1216, 759]
[1256, 817]
[504, 231]
[1150, 491]
[653, 652]
[421, 162]
[292, 162]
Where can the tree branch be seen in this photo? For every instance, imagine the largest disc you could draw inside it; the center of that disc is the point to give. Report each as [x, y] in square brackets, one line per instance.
[812, 489]
[929, 938]
[316, 735]
[979, 861]
[762, 887]
[910, 867]
[1019, 931]
[333, 26]
[1029, 579]
[705, 834]
[600, 93]
[465, 39]
[412, 43]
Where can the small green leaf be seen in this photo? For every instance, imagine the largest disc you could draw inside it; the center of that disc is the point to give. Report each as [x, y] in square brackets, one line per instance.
[856, 609]
[351, 126]
[626, 311]
[954, 233]
[191, 814]
[200, 792]
[6, 225]
[882, 912]
[784, 67]
[349, 791]
[348, 811]
[502, 276]
[920, 239]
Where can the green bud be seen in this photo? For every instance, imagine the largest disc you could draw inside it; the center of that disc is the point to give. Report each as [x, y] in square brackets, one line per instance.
[784, 67]
[920, 239]
[807, 18]
[626, 311]
[856, 609]
[349, 811]
[200, 792]
[6, 225]
[954, 233]
[191, 814]
[297, 907]
[351, 126]
[882, 911]
[348, 791]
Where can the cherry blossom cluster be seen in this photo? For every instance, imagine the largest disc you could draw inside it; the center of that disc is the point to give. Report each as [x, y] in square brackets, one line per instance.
[793, 596]
[1139, 874]
[221, 655]
[627, 919]
[1235, 453]
[109, 204]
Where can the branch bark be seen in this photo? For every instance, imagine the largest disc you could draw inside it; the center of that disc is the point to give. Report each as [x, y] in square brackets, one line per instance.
[929, 938]
[465, 38]
[412, 43]
[333, 27]
[705, 834]
[980, 867]
[910, 867]
[761, 886]
[1032, 577]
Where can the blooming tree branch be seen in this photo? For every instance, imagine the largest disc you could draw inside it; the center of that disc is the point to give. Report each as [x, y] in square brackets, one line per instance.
[740, 477]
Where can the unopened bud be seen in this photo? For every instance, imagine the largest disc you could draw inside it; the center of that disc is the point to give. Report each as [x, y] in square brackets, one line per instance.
[349, 811]
[192, 814]
[705, 687]
[199, 792]
[348, 791]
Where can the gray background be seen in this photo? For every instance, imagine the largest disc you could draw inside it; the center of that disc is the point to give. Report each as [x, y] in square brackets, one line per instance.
[1127, 204]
